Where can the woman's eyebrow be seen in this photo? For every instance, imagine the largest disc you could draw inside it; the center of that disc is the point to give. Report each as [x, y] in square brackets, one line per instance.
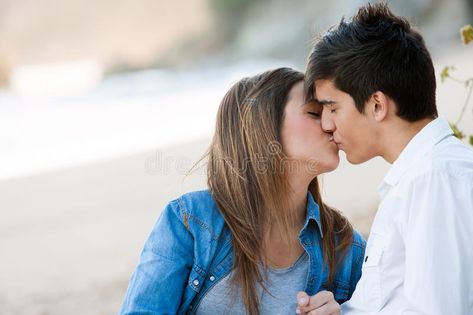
[309, 102]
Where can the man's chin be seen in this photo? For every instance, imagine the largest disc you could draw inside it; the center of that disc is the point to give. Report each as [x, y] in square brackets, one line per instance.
[354, 159]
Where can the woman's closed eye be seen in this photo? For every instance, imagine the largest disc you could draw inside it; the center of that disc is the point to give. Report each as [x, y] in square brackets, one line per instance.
[314, 109]
[316, 114]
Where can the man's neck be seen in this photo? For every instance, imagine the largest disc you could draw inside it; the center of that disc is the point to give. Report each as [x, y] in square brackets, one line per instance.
[397, 136]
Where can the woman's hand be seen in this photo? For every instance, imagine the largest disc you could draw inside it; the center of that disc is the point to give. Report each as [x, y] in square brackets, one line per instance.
[322, 303]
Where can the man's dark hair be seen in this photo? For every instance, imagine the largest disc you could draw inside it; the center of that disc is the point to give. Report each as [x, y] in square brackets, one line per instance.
[376, 51]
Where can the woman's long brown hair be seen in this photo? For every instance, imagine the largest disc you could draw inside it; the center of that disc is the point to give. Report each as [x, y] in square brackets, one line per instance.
[246, 177]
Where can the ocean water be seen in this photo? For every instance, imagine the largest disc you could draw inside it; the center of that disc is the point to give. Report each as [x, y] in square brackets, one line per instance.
[124, 114]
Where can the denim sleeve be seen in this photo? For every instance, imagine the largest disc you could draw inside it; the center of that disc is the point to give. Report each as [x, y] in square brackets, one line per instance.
[160, 278]
[359, 245]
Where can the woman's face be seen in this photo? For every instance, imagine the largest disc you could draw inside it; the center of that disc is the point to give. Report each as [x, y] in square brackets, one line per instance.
[307, 146]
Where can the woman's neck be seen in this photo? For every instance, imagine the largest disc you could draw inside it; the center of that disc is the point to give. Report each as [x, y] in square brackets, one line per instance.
[299, 186]
[281, 252]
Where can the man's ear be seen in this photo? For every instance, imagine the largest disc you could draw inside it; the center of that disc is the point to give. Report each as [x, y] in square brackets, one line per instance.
[378, 105]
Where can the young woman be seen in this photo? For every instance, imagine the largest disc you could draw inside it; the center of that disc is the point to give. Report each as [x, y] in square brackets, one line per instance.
[261, 232]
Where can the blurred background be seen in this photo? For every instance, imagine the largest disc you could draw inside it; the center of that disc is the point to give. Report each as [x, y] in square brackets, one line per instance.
[105, 105]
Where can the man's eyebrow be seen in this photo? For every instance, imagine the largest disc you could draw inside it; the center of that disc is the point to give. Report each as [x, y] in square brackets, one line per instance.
[324, 102]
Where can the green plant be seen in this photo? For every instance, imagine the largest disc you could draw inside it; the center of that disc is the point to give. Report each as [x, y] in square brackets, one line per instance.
[466, 34]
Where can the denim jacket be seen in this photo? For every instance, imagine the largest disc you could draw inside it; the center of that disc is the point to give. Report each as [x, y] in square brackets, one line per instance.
[190, 250]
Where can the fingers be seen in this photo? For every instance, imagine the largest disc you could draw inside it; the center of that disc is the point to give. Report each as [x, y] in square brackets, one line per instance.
[319, 304]
[326, 309]
[302, 298]
[321, 298]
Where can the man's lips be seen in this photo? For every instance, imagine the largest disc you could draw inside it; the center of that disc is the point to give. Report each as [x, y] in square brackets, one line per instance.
[332, 139]
[338, 143]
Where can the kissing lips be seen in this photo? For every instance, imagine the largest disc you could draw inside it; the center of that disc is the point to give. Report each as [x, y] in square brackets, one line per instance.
[332, 139]
[337, 143]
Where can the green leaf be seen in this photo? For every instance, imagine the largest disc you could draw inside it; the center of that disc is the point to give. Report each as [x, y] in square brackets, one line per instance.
[471, 140]
[446, 72]
[466, 34]
[457, 132]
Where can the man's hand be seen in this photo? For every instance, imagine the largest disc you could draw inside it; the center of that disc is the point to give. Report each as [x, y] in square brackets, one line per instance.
[323, 303]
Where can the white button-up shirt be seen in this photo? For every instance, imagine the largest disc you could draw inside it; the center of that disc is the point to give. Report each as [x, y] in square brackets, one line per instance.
[419, 255]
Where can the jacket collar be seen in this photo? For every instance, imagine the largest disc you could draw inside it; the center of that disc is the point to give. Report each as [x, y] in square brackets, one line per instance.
[313, 213]
[421, 144]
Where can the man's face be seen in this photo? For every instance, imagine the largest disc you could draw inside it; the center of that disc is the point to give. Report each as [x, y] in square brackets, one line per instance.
[353, 132]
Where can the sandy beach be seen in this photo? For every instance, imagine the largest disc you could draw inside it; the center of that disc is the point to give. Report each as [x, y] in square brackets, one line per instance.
[70, 239]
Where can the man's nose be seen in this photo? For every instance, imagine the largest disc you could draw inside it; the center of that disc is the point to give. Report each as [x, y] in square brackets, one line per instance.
[327, 121]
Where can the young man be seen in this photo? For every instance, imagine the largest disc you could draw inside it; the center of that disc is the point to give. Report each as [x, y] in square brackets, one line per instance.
[375, 80]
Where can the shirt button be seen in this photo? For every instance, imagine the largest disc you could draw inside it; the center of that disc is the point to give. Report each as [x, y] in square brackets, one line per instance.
[212, 278]
[195, 282]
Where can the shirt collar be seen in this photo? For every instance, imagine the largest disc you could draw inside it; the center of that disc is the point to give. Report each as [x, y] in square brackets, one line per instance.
[420, 144]
[313, 213]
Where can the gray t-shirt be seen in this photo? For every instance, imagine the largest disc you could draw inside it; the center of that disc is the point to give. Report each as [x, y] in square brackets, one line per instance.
[282, 284]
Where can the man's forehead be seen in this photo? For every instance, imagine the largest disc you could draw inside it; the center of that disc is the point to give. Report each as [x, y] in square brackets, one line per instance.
[323, 92]
[324, 84]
